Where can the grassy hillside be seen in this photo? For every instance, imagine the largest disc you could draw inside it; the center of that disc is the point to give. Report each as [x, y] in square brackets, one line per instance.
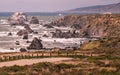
[106, 43]
[113, 8]
[104, 59]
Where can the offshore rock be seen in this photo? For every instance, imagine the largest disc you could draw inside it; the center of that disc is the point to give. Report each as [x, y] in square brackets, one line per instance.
[70, 34]
[34, 20]
[25, 31]
[18, 18]
[35, 44]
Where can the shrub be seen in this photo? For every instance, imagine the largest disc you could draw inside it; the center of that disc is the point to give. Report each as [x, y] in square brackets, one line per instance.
[20, 73]
[4, 73]
[63, 66]
[16, 68]
[105, 72]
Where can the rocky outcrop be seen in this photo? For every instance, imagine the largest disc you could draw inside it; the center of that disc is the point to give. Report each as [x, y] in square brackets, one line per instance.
[104, 25]
[18, 18]
[34, 20]
[25, 31]
[22, 32]
[27, 27]
[25, 36]
[48, 26]
[35, 44]
[70, 34]
[9, 34]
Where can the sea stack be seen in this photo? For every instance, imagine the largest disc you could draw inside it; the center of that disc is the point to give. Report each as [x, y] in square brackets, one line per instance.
[18, 18]
[34, 20]
[35, 44]
[26, 30]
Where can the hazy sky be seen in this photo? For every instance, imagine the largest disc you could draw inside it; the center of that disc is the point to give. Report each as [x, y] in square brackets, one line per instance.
[48, 5]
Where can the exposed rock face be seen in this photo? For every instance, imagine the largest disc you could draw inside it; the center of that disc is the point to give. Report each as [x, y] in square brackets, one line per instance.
[69, 34]
[105, 25]
[18, 18]
[34, 20]
[25, 31]
[36, 44]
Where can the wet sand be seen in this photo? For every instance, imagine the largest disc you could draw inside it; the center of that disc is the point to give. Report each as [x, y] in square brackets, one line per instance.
[24, 62]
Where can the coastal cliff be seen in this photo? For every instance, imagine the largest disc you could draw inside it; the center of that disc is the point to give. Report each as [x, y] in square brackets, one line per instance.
[104, 25]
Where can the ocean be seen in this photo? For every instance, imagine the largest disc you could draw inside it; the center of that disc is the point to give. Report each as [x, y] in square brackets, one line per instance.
[36, 14]
[39, 15]
[8, 42]
[8, 14]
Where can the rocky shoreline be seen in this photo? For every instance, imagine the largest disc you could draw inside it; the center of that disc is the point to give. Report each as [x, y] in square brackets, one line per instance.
[23, 30]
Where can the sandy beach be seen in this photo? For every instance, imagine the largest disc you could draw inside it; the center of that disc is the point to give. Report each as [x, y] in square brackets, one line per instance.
[24, 62]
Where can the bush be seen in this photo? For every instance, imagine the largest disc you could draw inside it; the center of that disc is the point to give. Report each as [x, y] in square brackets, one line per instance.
[16, 68]
[105, 72]
[4, 73]
[63, 66]
[20, 73]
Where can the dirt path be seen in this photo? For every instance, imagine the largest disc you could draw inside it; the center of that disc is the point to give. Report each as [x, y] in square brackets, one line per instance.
[31, 61]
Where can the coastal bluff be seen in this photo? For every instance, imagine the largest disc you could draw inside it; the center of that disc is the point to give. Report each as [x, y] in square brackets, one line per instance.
[95, 25]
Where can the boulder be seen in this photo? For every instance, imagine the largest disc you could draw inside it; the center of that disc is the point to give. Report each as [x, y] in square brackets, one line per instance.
[23, 50]
[25, 36]
[22, 32]
[17, 43]
[34, 20]
[27, 27]
[18, 18]
[48, 26]
[25, 31]
[35, 44]
[9, 34]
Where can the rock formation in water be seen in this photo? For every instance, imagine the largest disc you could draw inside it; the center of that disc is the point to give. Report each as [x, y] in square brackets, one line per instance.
[34, 20]
[18, 18]
[48, 26]
[70, 34]
[35, 44]
[25, 36]
[9, 34]
[25, 31]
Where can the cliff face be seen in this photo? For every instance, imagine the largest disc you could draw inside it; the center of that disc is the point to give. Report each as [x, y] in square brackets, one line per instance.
[105, 25]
